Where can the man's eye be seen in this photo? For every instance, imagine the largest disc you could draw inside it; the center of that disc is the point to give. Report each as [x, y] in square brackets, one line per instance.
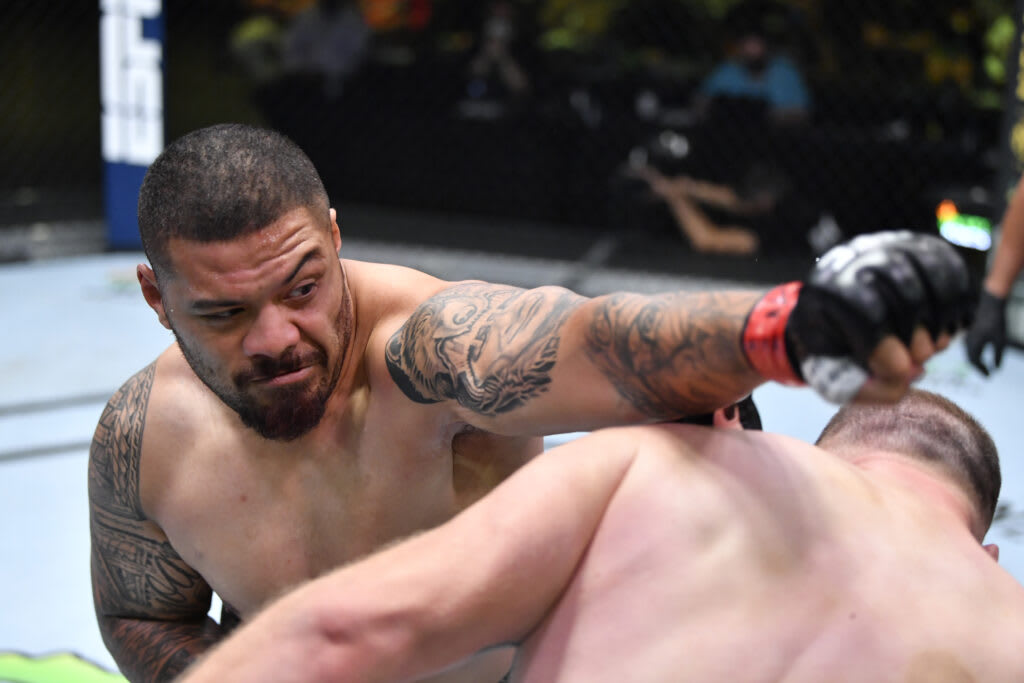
[222, 315]
[303, 290]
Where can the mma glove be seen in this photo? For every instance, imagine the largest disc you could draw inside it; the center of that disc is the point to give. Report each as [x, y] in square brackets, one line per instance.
[823, 331]
[989, 328]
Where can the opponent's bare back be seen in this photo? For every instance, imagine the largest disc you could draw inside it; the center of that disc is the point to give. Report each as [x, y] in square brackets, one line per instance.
[742, 557]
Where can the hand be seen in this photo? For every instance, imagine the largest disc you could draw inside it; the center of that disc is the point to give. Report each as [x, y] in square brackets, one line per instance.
[989, 328]
[877, 308]
[869, 315]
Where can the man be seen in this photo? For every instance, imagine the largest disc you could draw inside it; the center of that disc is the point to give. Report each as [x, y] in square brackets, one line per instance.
[681, 553]
[313, 409]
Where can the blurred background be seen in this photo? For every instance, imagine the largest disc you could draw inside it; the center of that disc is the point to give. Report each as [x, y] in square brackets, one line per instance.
[536, 115]
[601, 145]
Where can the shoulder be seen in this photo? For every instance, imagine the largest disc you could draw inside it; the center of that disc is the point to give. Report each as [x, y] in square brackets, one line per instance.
[161, 404]
[383, 291]
[117, 442]
[743, 452]
[178, 398]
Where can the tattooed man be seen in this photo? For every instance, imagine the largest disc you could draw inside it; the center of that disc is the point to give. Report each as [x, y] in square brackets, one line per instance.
[313, 409]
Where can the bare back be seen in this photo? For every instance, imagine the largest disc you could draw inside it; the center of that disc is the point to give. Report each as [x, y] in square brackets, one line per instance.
[733, 556]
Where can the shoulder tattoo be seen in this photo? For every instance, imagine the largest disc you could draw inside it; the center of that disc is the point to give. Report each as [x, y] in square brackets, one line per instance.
[135, 570]
[490, 348]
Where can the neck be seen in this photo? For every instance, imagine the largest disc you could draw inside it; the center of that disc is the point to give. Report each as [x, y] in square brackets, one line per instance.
[924, 481]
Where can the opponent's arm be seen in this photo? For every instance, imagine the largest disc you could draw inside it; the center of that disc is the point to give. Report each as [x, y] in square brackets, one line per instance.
[547, 359]
[151, 606]
[439, 597]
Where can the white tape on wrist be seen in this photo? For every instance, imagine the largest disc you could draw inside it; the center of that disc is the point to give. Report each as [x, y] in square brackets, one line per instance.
[837, 380]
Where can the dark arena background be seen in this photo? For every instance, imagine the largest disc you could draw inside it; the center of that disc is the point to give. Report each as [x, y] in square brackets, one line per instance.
[511, 126]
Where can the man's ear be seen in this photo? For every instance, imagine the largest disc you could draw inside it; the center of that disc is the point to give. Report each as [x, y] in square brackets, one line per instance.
[993, 550]
[147, 280]
[727, 418]
[335, 231]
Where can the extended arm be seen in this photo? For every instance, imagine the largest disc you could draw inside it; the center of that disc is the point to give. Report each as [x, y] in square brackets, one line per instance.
[486, 578]
[151, 606]
[548, 360]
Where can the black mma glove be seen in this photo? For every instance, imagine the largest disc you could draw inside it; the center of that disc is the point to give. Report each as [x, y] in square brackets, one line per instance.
[824, 330]
[989, 327]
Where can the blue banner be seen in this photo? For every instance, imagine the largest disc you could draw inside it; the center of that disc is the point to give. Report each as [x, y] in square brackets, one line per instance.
[132, 100]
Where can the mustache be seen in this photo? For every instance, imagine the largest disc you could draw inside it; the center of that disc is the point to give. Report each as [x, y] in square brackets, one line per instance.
[264, 368]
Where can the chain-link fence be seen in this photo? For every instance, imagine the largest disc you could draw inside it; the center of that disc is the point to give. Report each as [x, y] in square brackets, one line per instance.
[547, 109]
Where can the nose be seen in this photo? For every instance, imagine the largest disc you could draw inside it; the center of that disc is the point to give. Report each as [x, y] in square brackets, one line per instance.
[271, 334]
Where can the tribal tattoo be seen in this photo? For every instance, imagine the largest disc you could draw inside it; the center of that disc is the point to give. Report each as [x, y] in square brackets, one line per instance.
[667, 354]
[151, 606]
[490, 348]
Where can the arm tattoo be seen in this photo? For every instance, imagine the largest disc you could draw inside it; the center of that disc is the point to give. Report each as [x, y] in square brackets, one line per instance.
[490, 348]
[666, 353]
[160, 651]
[146, 597]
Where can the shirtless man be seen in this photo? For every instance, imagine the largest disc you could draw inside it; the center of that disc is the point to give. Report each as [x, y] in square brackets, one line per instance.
[671, 553]
[313, 409]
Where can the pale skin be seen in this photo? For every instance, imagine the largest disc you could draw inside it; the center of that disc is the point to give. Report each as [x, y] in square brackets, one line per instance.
[682, 554]
[186, 500]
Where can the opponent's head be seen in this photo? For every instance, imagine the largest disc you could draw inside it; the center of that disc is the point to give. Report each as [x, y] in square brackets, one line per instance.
[928, 427]
[220, 183]
[236, 224]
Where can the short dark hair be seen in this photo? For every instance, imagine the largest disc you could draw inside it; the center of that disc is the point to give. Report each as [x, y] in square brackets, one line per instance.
[219, 183]
[932, 428]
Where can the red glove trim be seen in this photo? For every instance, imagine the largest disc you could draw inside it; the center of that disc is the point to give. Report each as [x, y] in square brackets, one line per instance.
[764, 334]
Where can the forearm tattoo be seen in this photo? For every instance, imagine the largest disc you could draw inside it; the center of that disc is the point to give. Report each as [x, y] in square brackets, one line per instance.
[490, 348]
[160, 651]
[151, 605]
[669, 354]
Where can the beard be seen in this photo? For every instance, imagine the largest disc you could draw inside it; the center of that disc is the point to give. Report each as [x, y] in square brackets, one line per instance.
[282, 413]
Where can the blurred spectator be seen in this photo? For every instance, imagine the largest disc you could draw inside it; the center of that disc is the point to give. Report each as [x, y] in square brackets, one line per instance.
[329, 39]
[756, 70]
[736, 198]
[494, 68]
[256, 41]
[758, 211]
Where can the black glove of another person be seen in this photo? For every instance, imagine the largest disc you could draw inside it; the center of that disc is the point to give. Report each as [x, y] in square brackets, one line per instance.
[989, 328]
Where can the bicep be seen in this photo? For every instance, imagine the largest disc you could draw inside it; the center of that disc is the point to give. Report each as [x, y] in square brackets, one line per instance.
[137, 573]
[489, 347]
